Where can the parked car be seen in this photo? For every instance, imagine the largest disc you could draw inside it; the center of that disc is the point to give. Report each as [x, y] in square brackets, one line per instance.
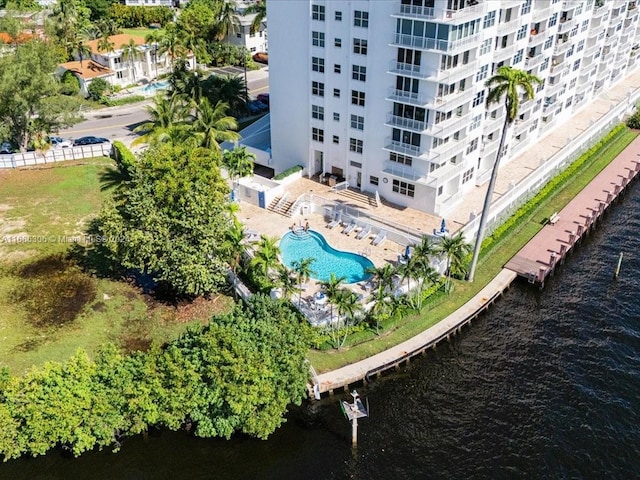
[78, 142]
[6, 148]
[261, 57]
[59, 142]
[264, 98]
[256, 106]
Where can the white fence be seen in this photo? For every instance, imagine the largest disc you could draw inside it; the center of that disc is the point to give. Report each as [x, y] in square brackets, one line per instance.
[18, 160]
[528, 187]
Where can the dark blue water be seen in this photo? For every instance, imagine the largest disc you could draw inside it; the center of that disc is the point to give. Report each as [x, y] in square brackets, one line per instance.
[546, 385]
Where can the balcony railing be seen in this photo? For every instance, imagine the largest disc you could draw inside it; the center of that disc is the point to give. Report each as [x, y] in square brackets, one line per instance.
[407, 97]
[400, 171]
[405, 123]
[407, 70]
[508, 27]
[403, 148]
[596, 30]
[536, 60]
[566, 25]
[598, 11]
[562, 46]
[425, 43]
[541, 14]
[431, 13]
[453, 99]
[558, 69]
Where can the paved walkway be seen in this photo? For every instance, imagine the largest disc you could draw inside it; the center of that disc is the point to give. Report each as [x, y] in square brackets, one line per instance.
[538, 258]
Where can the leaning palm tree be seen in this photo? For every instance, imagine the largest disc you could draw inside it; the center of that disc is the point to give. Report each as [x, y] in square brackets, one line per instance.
[81, 49]
[260, 9]
[167, 117]
[232, 245]
[456, 250]
[507, 83]
[212, 125]
[130, 52]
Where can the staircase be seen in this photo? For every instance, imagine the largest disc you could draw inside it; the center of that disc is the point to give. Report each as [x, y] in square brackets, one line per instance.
[281, 205]
[358, 196]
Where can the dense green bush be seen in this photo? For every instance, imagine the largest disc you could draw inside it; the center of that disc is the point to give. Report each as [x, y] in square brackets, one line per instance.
[238, 374]
[289, 171]
[133, 16]
[69, 84]
[634, 120]
[97, 89]
[114, 102]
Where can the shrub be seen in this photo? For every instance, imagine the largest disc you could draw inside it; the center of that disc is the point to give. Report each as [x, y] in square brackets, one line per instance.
[109, 102]
[634, 121]
[289, 171]
[69, 84]
[97, 89]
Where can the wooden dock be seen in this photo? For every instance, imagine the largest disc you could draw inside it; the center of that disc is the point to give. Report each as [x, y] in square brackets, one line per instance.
[538, 259]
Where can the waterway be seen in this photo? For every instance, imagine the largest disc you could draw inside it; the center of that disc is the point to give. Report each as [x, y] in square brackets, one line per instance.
[545, 385]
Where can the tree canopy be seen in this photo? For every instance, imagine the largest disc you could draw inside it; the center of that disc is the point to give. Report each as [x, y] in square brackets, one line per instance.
[31, 99]
[170, 221]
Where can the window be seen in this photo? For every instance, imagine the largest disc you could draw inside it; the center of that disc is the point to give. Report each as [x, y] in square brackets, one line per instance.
[545, 64]
[336, 117]
[482, 73]
[337, 68]
[468, 175]
[570, 51]
[317, 39]
[336, 139]
[252, 34]
[338, 16]
[404, 188]
[317, 134]
[580, 46]
[357, 122]
[585, 25]
[336, 92]
[337, 42]
[317, 64]
[317, 112]
[359, 72]
[473, 145]
[252, 49]
[401, 159]
[238, 35]
[317, 88]
[576, 65]
[355, 145]
[517, 58]
[374, 180]
[553, 20]
[574, 31]
[548, 43]
[579, 10]
[119, 74]
[489, 19]
[317, 12]
[485, 47]
[360, 46]
[479, 99]
[522, 32]
[526, 8]
[361, 19]
[357, 98]
[475, 122]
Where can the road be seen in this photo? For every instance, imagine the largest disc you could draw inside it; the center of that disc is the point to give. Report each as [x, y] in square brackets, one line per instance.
[117, 123]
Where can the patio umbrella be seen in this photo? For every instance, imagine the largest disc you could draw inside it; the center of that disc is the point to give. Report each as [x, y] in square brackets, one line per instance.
[443, 226]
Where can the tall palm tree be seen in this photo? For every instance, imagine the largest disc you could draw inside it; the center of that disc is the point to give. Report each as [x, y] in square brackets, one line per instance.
[383, 276]
[81, 49]
[130, 51]
[154, 38]
[212, 125]
[380, 312]
[105, 44]
[171, 45]
[260, 9]
[349, 308]
[286, 282]
[192, 42]
[232, 245]
[507, 83]
[302, 269]
[331, 288]
[239, 163]
[231, 89]
[266, 256]
[456, 250]
[167, 119]
[227, 20]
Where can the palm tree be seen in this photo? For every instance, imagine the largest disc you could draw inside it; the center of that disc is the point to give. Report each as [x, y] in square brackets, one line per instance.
[232, 245]
[231, 89]
[105, 44]
[381, 311]
[506, 83]
[456, 250]
[331, 288]
[154, 38]
[81, 49]
[260, 9]
[171, 45]
[266, 256]
[167, 119]
[286, 282]
[212, 125]
[192, 42]
[117, 177]
[349, 308]
[239, 163]
[383, 276]
[130, 51]
[302, 269]
[227, 20]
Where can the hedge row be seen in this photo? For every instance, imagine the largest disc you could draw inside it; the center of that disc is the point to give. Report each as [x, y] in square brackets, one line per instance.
[109, 102]
[289, 171]
[551, 186]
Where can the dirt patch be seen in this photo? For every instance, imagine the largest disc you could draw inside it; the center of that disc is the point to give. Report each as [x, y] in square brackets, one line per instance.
[136, 344]
[201, 309]
[99, 307]
[28, 345]
[54, 291]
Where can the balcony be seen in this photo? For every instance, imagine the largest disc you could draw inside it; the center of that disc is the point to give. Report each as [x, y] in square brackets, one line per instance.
[610, 40]
[590, 50]
[425, 43]
[559, 69]
[445, 173]
[400, 171]
[554, 88]
[534, 61]
[599, 11]
[566, 25]
[403, 148]
[550, 107]
[542, 14]
[537, 38]
[410, 98]
[596, 30]
[405, 123]
[620, 61]
[431, 13]
[504, 53]
[562, 46]
[452, 100]
[509, 27]
[408, 70]
[603, 74]
[436, 130]
[490, 124]
[463, 70]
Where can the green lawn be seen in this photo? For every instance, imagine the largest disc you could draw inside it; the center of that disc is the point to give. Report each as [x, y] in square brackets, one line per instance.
[489, 266]
[140, 32]
[50, 205]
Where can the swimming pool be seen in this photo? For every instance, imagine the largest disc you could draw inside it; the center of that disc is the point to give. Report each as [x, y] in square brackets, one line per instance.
[154, 87]
[311, 244]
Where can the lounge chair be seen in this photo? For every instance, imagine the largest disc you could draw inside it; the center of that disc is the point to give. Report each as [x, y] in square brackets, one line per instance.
[337, 219]
[251, 236]
[350, 228]
[381, 237]
[364, 232]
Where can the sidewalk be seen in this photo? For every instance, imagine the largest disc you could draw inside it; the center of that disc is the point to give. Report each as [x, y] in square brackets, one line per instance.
[543, 148]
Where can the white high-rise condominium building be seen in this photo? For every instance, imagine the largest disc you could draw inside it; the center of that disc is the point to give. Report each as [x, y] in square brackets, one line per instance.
[390, 94]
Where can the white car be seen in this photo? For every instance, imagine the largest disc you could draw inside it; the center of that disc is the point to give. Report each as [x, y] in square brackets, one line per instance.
[6, 148]
[59, 142]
